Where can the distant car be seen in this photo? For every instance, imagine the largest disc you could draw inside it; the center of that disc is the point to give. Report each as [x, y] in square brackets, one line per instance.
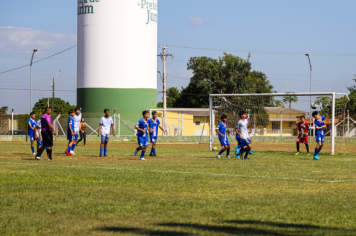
[17, 132]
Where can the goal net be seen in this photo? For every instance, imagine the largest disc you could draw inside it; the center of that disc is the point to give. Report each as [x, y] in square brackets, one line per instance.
[274, 117]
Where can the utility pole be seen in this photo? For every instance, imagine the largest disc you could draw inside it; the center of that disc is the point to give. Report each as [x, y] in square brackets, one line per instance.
[310, 112]
[164, 56]
[34, 51]
[53, 95]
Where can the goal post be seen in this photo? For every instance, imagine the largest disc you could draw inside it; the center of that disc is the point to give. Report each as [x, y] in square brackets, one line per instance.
[258, 102]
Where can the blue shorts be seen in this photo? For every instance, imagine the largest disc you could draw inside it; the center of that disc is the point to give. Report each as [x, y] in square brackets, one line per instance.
[153, 139]
[76, 136]
[70, 137]
[39, 142]
[224, 141]
[239, 141]
[319, 138]
[105, 138]
[245, 142]
[142, 141]
[32, 137]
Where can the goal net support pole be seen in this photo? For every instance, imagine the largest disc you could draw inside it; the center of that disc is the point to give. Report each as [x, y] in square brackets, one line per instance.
[332, 94]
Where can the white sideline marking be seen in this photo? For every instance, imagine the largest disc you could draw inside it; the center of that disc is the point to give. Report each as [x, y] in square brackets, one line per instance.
[185, 172]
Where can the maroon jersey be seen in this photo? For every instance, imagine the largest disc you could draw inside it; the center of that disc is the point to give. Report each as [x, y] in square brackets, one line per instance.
[304, 127]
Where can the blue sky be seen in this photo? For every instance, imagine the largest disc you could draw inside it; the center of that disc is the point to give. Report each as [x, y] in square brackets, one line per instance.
[277, 33]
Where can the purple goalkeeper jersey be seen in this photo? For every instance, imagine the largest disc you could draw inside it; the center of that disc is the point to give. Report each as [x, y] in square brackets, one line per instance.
[45, 119]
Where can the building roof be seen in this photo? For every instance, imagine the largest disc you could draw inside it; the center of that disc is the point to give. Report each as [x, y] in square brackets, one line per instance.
[197, 113]
[283, 110]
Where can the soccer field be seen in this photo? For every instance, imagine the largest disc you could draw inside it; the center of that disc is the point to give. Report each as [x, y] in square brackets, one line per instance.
[183, 191]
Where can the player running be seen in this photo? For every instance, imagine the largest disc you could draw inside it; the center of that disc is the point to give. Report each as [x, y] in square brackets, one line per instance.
[106, 123]
[242, 130]
[303, 128]
[31, 130]
[154, 124]
[77, 118]
[142, 136]
[70, 133]
[47, 133]
[224, 141]
[319, 133]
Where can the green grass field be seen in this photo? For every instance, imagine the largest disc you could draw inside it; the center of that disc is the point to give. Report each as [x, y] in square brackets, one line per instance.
[183, 191]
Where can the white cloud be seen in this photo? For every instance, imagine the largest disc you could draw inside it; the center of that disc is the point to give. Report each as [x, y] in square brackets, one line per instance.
[16, 38]
[199, 21]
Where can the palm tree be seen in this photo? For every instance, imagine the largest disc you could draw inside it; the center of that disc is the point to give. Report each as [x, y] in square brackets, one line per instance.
[289, 99]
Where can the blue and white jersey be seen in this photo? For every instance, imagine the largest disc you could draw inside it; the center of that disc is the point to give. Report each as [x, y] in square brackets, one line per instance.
[222, 129]
[154, 124]
[70, 124]
[243, 128]
[142, 124]
[319, 123]
[106, 123]
[31, 123]
[38, 125]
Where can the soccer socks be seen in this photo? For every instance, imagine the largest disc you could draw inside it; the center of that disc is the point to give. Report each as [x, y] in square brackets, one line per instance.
[33, 149]
[242, 151]
[297, 147]
[307, 146]
[316, 152]
[101, 151]
[320, 148]
[105, 150]
[142, 154]
[221, 151]
[39, 153]
[247, 152]
[154, 151]
[227, 152]
[68, 149]
[73, 146]
[49, 151]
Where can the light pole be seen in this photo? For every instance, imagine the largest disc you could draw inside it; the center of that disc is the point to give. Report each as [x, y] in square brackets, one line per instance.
[310, 114]
[44, 97]
[34, 51]
[54, 80]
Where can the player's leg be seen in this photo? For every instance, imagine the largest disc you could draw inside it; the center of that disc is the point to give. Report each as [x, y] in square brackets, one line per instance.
[298, 143]
[248, 148]
[222, 142]
[227, 147]
[250, 152]
[74, 143]
[102, 143]
[317, 148]
[306, 144]
[106, 147]
[140, 145]
[144, 148]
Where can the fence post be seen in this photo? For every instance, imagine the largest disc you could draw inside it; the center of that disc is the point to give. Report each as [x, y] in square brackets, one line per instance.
[211, 137]
[333, 125]
[348, 123]
[12, 124]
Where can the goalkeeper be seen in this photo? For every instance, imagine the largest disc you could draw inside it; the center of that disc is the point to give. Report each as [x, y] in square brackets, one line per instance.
[303, 128]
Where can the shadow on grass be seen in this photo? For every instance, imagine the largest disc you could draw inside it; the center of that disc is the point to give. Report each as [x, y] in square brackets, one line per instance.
[141, 231]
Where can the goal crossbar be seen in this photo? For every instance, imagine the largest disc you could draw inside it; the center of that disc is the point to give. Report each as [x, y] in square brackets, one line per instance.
[332, 94]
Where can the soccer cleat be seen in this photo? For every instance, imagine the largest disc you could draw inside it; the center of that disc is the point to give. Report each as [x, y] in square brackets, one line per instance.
[34, 154]
[218, 156]
[297, 154]
[316, 158]
[50, 158]
[246, 158]
[72, 152]
[308, 154]
[237, 156]
[228, 157]
[136, 151]
[151, 154]
[237, 151]
[251, 153]
[142, 159]
[38, 158]
[101, 155]
[105, 155]
[68, 153]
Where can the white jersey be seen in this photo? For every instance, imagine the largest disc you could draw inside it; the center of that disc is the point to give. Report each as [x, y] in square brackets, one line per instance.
[77, 119]
[105, 125]
[243, 128]
[38, 125]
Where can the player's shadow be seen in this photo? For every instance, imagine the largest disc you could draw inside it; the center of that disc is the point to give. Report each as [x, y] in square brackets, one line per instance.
[121, 230]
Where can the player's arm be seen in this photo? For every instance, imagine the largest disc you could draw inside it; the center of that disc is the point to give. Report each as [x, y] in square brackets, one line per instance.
[162, 129]
[217, 131]
[71, 130]
[99, 130]
[29, 123]
[39, 132]
[113, 129]
[238, 132]
[51, 127]
[138, 128]
[35, 132]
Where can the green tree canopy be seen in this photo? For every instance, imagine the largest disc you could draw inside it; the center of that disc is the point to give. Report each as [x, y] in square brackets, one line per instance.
[290, 99]
[3, 110]
[173, 96]
[60, 106]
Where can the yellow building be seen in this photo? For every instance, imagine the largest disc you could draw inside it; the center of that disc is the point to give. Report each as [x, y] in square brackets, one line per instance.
[282, 122]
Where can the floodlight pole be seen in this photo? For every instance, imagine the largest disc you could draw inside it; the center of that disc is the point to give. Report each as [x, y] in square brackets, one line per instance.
[12, 123]
[211, 124]
[34, 51]
[310, 111]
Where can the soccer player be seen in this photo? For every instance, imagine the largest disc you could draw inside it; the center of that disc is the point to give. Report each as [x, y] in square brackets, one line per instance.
[249, 131]
[319, 133]
[38, 136]
[106, 123]
[154, 124]
[31, 130]
[47, 133]
[77, 118]
[224, 141]
[303, 128]
[70, 132]
[242, 130]
[142, 136]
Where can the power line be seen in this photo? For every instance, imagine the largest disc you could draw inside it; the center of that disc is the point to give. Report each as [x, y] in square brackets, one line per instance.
[38, 60]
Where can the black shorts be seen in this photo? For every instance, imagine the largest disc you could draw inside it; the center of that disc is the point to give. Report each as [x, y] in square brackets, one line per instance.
[47, 137]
